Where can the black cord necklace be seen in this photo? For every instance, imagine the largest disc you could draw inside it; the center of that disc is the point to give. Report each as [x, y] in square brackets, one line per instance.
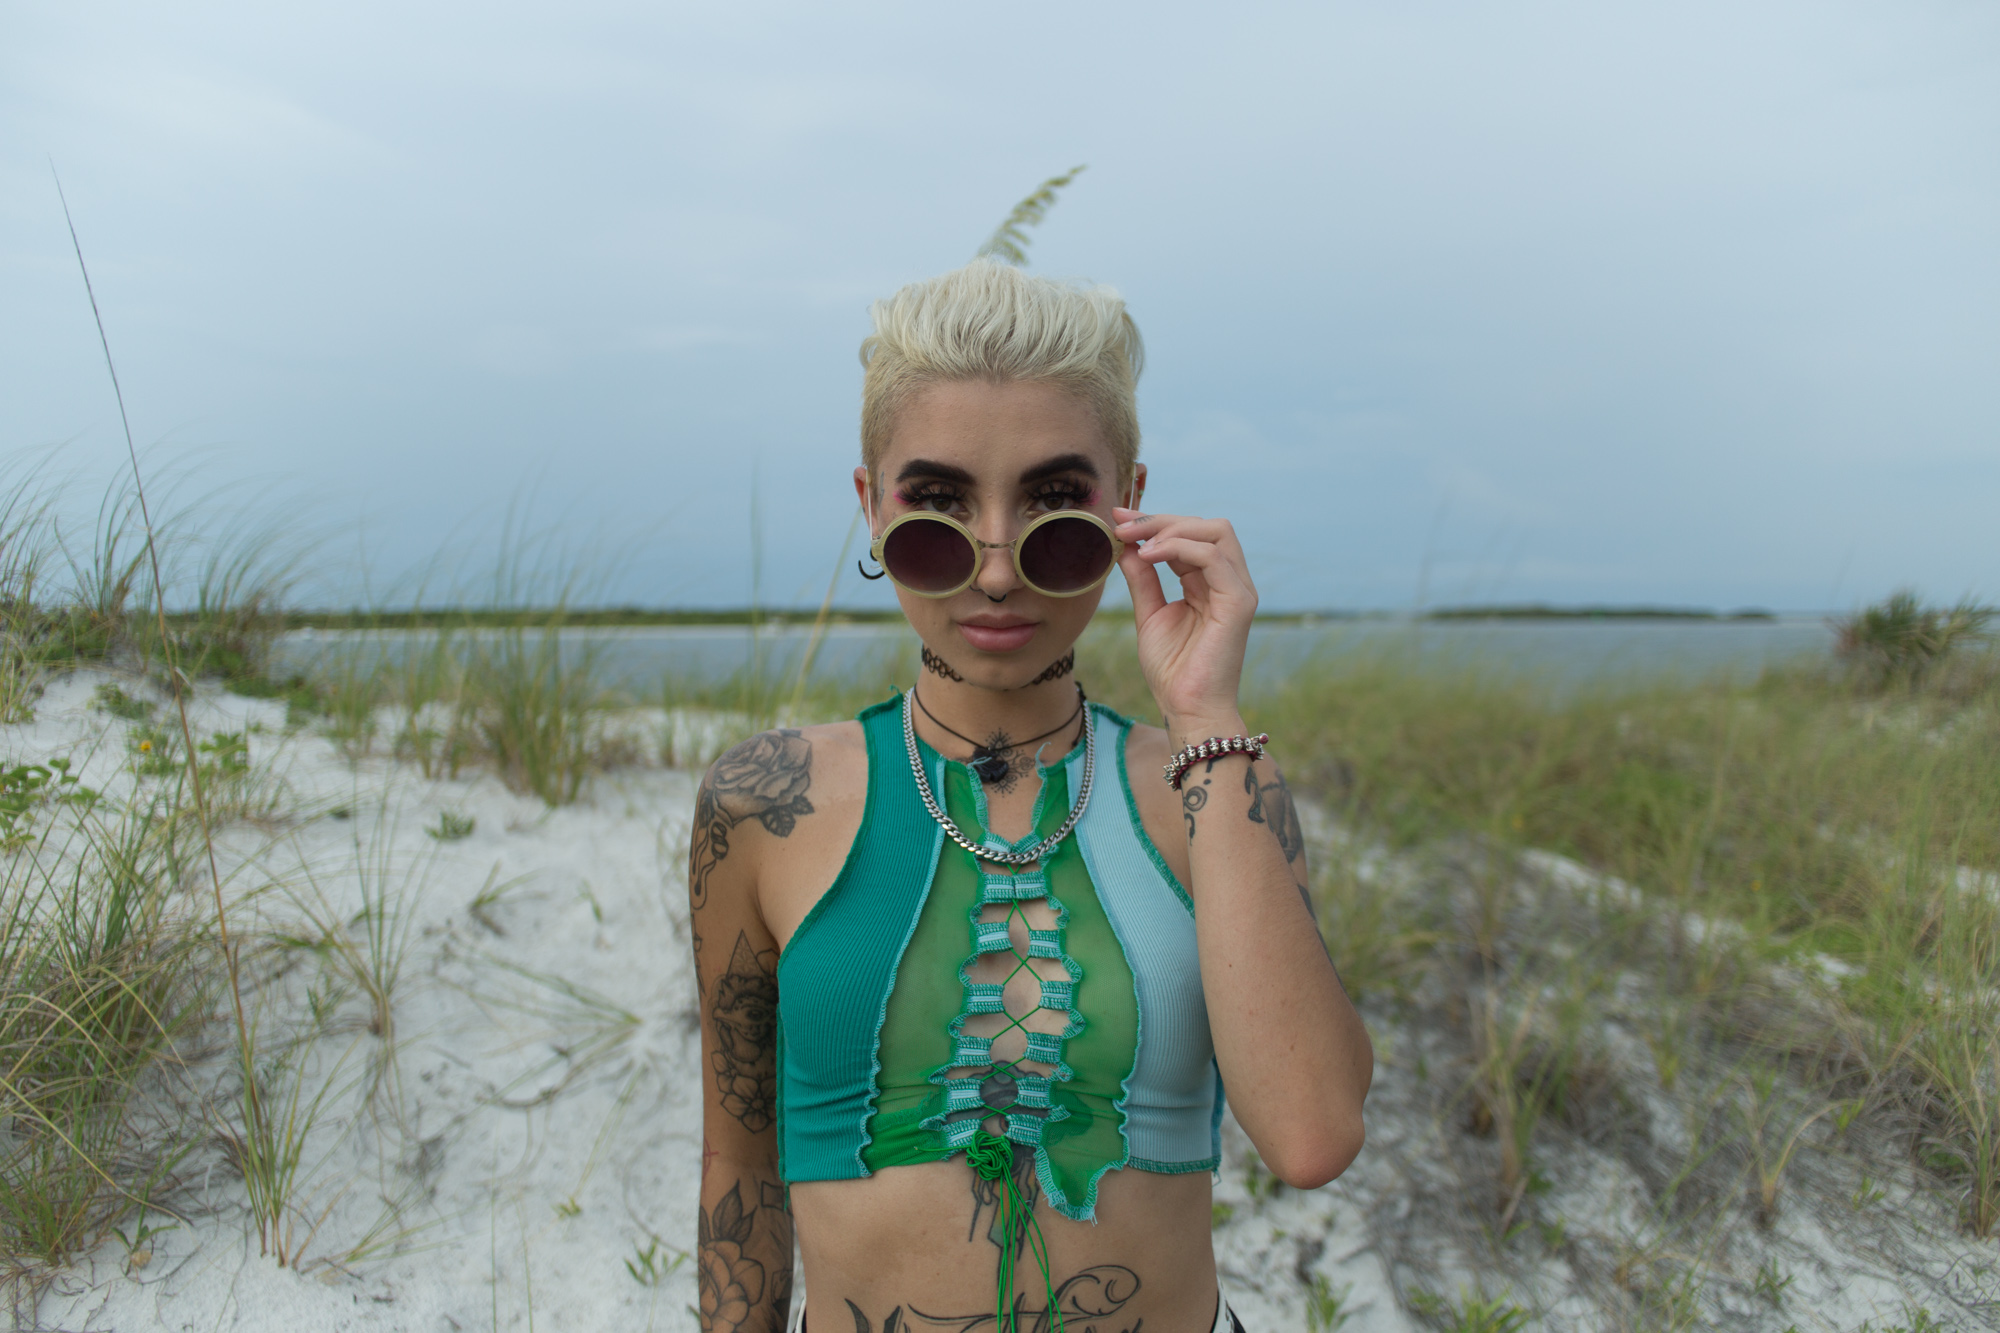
[990, 761]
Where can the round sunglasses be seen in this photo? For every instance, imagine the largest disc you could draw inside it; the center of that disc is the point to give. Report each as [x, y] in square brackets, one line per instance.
[1064, 553]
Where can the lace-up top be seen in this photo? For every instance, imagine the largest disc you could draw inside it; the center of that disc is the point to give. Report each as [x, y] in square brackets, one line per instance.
[928, 992]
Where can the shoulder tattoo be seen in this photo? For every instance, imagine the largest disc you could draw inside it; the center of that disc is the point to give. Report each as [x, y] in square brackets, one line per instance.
[765, 779]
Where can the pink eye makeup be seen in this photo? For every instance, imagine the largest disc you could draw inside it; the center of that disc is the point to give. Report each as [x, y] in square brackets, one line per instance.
[1050, 495]
[932, 494]
[1066, 493]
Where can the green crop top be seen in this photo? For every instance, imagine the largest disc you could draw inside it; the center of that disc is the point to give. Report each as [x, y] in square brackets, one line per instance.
[885, 1058]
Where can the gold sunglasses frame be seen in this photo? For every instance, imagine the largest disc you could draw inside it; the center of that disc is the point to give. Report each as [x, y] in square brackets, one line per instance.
[980, 548]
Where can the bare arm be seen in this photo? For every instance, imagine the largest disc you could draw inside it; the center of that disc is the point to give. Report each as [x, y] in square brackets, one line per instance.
[754, 792]
[1293, 1052]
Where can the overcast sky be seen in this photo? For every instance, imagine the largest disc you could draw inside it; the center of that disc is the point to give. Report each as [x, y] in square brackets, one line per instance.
[1693, 303]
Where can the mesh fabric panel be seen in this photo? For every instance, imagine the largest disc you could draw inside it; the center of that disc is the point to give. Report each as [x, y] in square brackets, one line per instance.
[1082, 1134]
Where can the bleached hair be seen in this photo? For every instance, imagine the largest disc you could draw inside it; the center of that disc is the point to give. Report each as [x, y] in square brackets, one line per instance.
[990, 321]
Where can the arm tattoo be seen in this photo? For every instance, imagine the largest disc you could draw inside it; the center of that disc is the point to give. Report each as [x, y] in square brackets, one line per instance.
[1093, 1301]
[1193, 798]
[1271, 804]
[744, 1014]
[765, 779]
[744, 1253]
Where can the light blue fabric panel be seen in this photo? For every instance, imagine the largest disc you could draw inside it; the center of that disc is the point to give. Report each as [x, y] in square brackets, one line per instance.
[1174, 1097]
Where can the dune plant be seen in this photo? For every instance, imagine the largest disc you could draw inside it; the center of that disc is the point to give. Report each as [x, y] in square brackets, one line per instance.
[586, 1029]
[1524, 1062]
[1900, 639]
[1957, 1094]
[539, 705]
[1778, 873]
[437, 731]
[1762, 1107]
[109, 585]
[1377, 931]
[100, 980]
[1472, 1312]
[281, 1104]
[1326, 1306]
[1009, 242]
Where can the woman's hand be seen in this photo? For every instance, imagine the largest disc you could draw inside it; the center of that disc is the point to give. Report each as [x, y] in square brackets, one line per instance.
[1191, 650]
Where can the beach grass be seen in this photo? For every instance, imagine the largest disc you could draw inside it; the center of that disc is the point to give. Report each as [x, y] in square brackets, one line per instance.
[103, 989]
[1798, 873]
[1784, 889]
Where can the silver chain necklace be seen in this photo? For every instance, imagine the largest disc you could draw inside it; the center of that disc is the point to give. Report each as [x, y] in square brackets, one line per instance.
[1040, 849]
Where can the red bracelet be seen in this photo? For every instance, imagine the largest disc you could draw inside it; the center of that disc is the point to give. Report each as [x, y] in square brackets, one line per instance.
[1214, 748]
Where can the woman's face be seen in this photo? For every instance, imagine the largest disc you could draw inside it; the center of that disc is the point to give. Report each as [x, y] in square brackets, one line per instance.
[994, 456]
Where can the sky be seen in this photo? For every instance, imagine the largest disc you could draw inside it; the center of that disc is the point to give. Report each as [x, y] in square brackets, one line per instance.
[1571, 302]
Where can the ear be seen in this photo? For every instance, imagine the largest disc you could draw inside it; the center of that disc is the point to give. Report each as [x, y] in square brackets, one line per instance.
[861, 493]
[1138, 491]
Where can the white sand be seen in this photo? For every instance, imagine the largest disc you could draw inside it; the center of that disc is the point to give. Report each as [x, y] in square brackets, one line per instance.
[542, 1128]
[537, 1135]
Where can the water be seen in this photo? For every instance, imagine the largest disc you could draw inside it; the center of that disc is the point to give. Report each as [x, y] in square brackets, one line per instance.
[1563, 653]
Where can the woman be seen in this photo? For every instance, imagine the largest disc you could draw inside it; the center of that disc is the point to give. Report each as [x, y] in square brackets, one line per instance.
[973, 975]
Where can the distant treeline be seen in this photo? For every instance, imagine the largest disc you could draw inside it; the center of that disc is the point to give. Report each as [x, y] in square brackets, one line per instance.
[613, 617]
[1538, 611]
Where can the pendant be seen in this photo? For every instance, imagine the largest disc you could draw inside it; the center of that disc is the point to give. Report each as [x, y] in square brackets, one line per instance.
[989, 766]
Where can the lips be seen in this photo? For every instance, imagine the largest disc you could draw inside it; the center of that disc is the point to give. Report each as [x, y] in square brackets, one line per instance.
[997, 634]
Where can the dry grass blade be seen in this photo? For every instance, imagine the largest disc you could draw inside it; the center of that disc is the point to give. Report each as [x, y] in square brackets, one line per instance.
[257, 1130]
[1009, 242]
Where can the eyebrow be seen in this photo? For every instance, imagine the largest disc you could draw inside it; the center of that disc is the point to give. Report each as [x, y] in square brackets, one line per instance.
[1059, 464]
[929, 468]
[924, 467]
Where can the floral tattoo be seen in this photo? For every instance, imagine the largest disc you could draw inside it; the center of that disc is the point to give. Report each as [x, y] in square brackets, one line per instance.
[765, 779]
[744, 1013]
[742, 1284]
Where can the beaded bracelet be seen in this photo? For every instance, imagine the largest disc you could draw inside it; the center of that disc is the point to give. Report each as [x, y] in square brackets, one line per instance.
[1214, 748]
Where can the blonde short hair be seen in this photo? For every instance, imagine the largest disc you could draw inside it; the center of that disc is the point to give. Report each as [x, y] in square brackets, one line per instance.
[991, 321]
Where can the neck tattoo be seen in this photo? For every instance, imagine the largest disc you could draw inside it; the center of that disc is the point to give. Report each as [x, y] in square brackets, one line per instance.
[1055, 670]
[937, 666]
[1000, 761]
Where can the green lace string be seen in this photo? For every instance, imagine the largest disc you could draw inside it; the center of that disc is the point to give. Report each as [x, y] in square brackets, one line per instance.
[993, 1158]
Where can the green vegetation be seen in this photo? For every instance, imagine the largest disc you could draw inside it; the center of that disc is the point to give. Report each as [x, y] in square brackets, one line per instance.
[1788, 889]
[1902, 641]
[1783, 891]
[98, 981]
[1010, 240]
[1470, 1313]
[1542, 611]
[575, 617]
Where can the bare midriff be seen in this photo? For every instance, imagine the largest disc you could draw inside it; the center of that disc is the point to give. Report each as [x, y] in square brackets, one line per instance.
[914, 1238]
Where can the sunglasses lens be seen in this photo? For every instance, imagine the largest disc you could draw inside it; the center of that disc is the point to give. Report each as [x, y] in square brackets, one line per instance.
[928, 556]
[1066, 555]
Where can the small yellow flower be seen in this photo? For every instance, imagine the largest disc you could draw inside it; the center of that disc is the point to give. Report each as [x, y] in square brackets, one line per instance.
[145, 745]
